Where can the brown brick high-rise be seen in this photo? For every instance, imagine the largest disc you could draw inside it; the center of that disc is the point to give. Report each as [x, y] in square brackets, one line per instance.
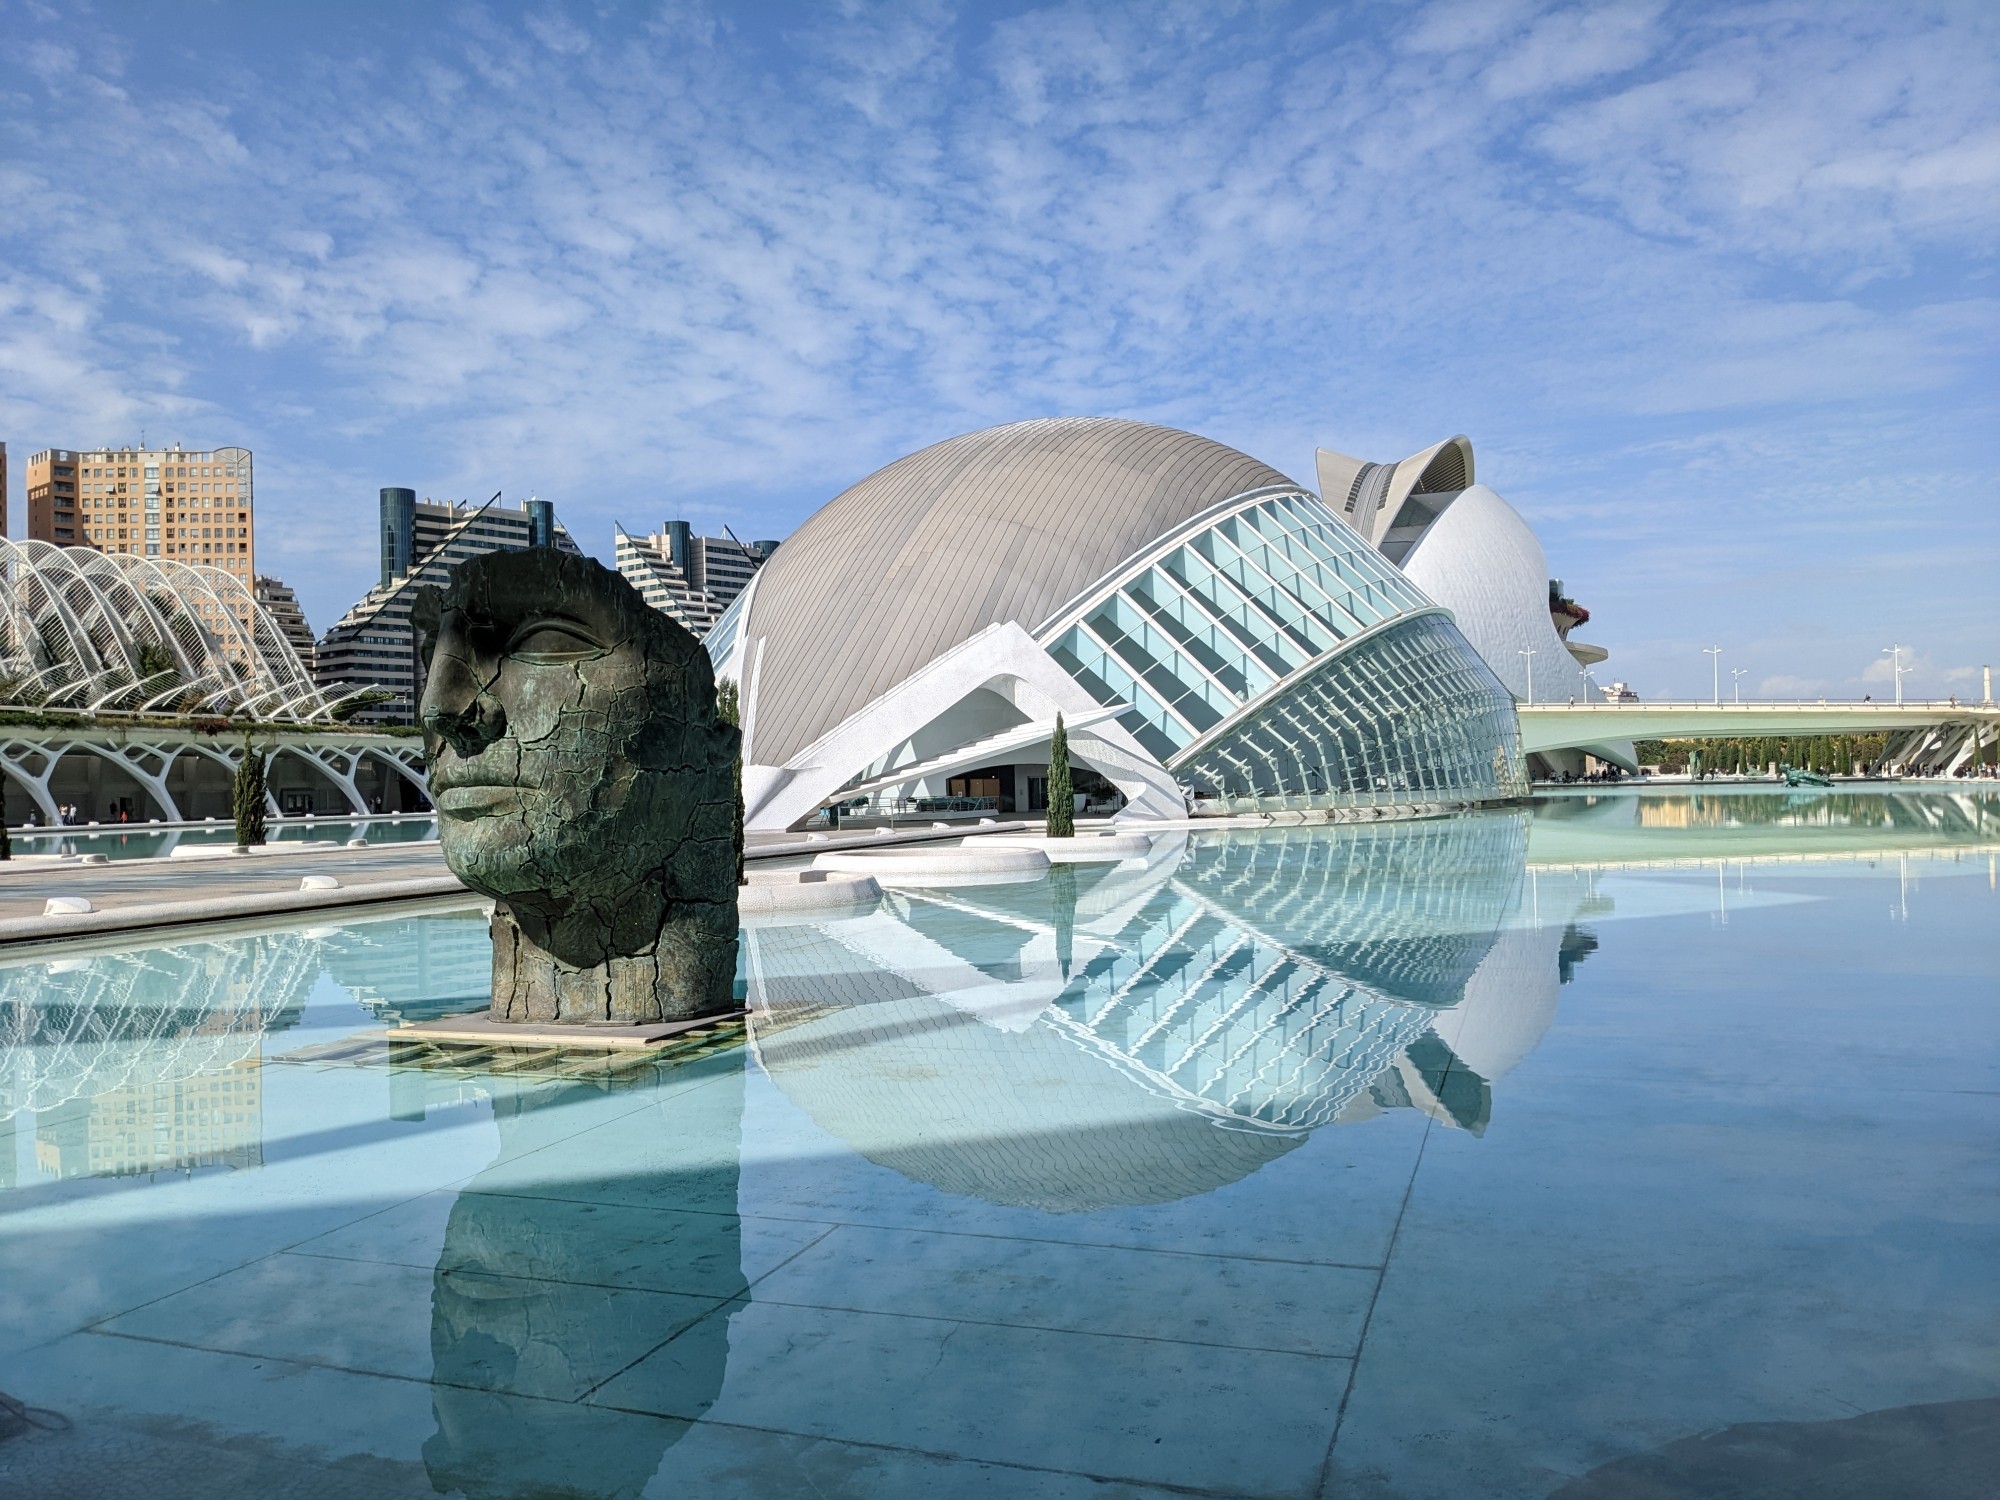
[150, 502]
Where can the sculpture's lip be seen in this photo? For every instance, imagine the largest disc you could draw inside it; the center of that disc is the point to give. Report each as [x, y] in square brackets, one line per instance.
[475, 799]
[444, 781]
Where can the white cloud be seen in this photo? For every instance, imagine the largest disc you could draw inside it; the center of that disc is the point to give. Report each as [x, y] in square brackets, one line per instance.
[1574, 46]
[1652, 262]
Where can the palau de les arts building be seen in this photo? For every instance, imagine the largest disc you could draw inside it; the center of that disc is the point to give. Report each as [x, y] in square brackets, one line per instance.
[1213, 633]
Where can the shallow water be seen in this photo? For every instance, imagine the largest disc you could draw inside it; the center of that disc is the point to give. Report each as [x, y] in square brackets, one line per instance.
[137, 841]
[1511, 1155]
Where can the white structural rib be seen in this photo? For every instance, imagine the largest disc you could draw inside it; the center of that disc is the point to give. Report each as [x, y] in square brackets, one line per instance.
[976, 753]
[93, 631]
[876, 744]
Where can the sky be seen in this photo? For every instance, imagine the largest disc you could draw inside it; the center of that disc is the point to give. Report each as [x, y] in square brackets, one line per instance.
[1711, 288]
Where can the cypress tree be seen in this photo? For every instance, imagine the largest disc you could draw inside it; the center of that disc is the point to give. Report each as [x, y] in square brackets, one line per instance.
[246, 795]
[1062, 795]
[729, 709]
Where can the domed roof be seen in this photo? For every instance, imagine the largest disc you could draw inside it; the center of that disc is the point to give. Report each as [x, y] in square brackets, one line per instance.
[1482, 561]
[1010, 523]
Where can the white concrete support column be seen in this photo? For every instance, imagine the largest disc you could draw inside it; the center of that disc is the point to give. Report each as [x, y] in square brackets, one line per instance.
[37, 787]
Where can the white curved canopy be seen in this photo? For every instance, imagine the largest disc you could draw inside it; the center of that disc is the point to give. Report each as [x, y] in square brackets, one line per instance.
[1482, 561]
[88, 631]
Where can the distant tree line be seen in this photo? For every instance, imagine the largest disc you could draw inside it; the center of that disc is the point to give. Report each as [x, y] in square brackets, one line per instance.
[1835, 754]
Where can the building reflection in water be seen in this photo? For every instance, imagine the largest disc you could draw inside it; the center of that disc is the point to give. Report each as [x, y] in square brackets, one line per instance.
[152, 1060]
[1113, 1035]
[148, 1062]
[1971, 815]
[1177, 1022]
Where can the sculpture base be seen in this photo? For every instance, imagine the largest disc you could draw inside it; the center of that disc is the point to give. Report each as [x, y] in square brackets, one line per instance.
[687, 970]
[482, 1028]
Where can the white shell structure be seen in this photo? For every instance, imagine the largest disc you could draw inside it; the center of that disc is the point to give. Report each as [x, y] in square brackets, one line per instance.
[1481, 561]
[1203, 628]
[90, 631]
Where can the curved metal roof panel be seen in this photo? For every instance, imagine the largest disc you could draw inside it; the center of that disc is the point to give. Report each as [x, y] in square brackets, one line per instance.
[1009, 523]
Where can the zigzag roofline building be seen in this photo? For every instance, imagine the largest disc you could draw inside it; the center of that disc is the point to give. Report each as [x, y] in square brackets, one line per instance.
[373, 647]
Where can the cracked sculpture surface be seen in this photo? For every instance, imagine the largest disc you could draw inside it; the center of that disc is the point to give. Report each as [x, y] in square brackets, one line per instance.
[585, 783]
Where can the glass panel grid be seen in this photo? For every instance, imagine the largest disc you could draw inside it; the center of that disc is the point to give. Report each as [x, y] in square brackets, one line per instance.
[1211, 626]
[1411, 715]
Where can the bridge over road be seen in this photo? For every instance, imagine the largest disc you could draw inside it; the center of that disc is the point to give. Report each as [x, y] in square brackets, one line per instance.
[1939, 735]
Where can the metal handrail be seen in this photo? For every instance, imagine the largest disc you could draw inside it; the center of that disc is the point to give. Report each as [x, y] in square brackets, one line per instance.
[1866, 704]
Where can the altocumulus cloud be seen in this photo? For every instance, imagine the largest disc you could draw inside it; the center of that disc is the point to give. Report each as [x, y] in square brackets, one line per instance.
[1710, 287]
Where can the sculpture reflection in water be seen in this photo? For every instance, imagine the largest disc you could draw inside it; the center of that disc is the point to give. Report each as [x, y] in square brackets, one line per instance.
[527, 1312]
[1177, 1022]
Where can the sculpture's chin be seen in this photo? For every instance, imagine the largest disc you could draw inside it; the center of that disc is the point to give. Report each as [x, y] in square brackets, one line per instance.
[494, 858]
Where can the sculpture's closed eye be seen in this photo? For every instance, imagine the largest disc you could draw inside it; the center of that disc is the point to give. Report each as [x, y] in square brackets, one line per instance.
[546, 642]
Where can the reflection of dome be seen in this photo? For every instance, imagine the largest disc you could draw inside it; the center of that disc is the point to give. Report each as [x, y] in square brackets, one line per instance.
[1265, 985]
[1509, 1001]
[1407, 909]
[1194, 615]
[1028, 1119]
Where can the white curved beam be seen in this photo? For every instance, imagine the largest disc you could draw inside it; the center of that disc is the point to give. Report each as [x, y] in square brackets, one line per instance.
[229, 652]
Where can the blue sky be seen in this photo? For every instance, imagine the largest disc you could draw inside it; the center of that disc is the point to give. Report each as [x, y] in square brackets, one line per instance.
[1711, 288]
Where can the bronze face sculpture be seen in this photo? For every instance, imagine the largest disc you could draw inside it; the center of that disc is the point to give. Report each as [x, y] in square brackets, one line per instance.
[585, 783]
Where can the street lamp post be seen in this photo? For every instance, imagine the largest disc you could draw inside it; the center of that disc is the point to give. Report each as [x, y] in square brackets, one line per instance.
[1737, 673]
[1529, 652]
[1895, 653]
[1714, 653]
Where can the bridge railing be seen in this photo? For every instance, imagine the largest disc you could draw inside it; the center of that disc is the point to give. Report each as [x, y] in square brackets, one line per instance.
[1843, 705]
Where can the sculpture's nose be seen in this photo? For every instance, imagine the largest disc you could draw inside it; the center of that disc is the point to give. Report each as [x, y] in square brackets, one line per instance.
[456, 707]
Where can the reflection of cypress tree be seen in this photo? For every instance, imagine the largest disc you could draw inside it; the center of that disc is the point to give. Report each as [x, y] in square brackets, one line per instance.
[246, 795]
[1062, 792]
[729, 709]
[1062, 891]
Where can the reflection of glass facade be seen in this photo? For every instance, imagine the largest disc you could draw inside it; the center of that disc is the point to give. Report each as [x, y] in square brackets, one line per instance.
[1228, 645]
[1268, 982]
[1408, 909]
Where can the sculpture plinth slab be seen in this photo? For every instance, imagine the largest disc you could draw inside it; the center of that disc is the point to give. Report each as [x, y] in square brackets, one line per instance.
[585, 782]
[480, 1028]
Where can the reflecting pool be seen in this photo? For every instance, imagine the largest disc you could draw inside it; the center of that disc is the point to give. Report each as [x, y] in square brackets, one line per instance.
[1633, 1143]
[138, 841]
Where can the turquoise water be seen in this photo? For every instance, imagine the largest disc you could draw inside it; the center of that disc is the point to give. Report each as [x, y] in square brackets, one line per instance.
[1555, 1152]
[137, 841]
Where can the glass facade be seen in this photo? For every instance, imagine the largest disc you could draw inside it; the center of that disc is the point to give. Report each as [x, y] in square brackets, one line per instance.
[1408, 715]
[720, 642]
[1259, 602]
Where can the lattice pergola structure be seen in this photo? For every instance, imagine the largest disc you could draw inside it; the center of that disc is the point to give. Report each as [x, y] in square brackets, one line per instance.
[89, 631]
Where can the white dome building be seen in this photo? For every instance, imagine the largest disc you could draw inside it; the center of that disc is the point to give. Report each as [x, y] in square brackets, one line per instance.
[1474, 554]
[1203, 624]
